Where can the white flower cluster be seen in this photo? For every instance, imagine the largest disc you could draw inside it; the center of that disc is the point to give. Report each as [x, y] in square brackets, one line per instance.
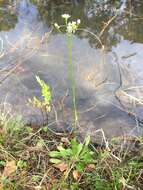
[56, 26]
[71, 27]
[66, 16]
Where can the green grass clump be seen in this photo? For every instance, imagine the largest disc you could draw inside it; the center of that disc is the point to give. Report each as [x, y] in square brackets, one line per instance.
[41, 159]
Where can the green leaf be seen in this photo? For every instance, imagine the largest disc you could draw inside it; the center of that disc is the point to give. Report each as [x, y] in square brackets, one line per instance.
[86, 155]
[38, 79]
[45, 90]
[54, 154]
[2, 163]
[45, 129]
[87, 140]
[80, 166]
[79, 148]
[60, 148]
[66, 153]
[76, 148]
[55, 161]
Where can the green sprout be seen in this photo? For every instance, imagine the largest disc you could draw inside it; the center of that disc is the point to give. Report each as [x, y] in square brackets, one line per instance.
[46, 94]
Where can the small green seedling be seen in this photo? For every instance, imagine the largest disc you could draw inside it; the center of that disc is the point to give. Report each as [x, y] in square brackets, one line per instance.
[46, 94]
[21, 164]
[76, 156]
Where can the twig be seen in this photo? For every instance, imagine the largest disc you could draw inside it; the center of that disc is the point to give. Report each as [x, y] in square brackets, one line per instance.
[94, 35]
[106, 25]
[10, 72]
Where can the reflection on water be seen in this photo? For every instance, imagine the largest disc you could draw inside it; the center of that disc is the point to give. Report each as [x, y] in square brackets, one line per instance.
[8, 18]
[106, 81]
[95, 15]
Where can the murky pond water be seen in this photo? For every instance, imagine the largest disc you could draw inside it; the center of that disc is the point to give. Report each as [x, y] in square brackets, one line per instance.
[108, 82]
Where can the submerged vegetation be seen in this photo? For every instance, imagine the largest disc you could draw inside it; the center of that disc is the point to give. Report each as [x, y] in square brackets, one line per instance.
[8, 18]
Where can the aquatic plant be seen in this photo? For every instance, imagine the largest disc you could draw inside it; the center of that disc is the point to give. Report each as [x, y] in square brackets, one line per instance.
[70, 28]
[44, 104]
[46, 93]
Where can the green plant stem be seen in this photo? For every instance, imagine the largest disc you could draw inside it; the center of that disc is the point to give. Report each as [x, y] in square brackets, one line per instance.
[71, 78]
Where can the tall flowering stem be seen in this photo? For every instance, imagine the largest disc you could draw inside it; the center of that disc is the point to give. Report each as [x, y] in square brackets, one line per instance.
[71, 28]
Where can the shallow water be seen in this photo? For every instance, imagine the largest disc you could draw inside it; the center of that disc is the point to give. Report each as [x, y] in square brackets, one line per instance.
[108, 83]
